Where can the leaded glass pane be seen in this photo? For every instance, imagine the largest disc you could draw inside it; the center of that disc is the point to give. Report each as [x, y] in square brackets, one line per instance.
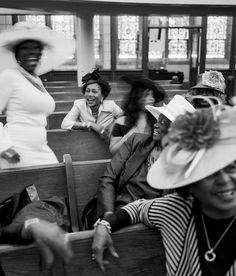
[215, 48]
[216, 27]
[156, 21]
[36, 19]
[175, 33]
[178, 37]
[177, 48]
[216, 36]
[63, 24]
[129, 42]
[178, 21]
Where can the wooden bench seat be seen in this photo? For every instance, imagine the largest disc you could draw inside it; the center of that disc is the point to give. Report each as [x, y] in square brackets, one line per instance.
[83, 176]
[82, 145]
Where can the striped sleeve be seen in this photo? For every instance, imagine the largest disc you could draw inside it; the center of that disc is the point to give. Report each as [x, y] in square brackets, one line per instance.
[169, 211]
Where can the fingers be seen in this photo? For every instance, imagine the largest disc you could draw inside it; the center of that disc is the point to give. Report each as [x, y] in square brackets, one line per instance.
[113, 251]
[11, 156]
[46, 255]
[98, 257]
[61, 247]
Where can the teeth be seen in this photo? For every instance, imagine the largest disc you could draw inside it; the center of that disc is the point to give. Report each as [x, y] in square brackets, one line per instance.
[225, 194]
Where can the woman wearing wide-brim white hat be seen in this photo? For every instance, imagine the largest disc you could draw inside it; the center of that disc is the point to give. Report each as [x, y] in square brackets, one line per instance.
[26, 51]
[198, 221]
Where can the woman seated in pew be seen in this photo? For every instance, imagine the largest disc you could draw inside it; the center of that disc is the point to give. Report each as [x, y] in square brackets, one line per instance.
[136, 118]
[125, 177]
[93, 112]
[209, 83]
[197, 222]
[26, 51]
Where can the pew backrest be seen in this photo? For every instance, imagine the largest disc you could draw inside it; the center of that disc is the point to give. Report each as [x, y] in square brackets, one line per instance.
[140, 253]
[82, 145]
[55, 180]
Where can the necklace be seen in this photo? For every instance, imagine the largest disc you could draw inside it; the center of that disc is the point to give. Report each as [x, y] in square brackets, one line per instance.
[210, 255]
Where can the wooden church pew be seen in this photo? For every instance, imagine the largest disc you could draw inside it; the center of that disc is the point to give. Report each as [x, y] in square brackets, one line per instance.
[82, 145]
[140, 253]
[80, 177]
[25, 260]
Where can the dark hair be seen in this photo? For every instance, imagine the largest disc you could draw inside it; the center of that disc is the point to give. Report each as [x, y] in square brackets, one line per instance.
[132, 106]
[95, 77]
[16, 47]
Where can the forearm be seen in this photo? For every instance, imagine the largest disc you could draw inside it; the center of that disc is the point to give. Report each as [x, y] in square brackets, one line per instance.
[106, 198]
[118, 220]
[81, 125]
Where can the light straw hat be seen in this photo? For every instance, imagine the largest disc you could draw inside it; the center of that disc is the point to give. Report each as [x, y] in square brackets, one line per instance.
[57, 48]
[177, 105]
[200, 144]
[211, 80]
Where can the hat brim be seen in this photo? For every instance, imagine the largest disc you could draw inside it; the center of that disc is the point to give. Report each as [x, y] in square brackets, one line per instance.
[57, 48]
[214, 159]
[199, 86]
[156, 111]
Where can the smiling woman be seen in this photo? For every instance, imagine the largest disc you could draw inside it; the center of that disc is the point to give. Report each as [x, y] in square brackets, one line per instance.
[28, 54]
[93, 112]
[198, 221]
[25, 51]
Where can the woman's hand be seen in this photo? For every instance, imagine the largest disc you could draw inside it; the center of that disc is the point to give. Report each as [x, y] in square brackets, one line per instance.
[11, 156]
[101, 241]
[52, 241]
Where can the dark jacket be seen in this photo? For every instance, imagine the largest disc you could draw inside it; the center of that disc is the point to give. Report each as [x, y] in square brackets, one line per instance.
[118, 185]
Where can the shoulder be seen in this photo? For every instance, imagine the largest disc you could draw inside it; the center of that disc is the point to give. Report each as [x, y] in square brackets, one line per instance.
[174, 203]
[138, 137]
[9, 73]
[110, 105]
[120, 120]
[80, 103]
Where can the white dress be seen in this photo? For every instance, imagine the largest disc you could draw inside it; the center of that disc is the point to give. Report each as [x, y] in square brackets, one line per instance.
[27, 108]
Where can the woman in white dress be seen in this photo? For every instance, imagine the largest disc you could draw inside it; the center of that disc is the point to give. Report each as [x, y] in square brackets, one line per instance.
[28, 51]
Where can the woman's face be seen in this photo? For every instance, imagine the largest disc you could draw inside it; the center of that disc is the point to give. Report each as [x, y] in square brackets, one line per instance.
[217, 193]
[147, 99]
[160, 127]
[200, 103]
[93, 95]
[28, 54]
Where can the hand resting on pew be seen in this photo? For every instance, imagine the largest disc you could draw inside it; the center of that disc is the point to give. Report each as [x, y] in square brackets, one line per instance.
[10, 155]
[50, 238]
[101, 242]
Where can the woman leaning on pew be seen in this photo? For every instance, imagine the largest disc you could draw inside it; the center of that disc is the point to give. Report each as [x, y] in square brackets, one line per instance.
[197, 221]
[93, 112]
[26, 51]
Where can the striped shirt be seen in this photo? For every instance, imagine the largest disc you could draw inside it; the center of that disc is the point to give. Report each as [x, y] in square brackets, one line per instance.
[173, 216]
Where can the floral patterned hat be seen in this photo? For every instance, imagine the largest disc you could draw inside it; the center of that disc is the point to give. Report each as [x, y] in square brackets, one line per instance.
[200, 144]
[212, 80]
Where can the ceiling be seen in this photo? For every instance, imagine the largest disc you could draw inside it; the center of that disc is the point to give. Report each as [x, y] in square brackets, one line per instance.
[115, 7]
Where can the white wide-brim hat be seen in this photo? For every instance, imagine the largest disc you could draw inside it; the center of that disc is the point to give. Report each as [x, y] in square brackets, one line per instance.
[178, 167]
[57, 48]
[178, 105]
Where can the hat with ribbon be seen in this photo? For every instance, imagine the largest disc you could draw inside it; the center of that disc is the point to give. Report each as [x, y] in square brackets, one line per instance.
[211, 80]
[200, 144]
[177, 105]
[57, 48]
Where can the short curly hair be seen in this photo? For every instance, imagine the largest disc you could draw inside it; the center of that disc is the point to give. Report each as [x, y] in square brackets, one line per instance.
[95, 77]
